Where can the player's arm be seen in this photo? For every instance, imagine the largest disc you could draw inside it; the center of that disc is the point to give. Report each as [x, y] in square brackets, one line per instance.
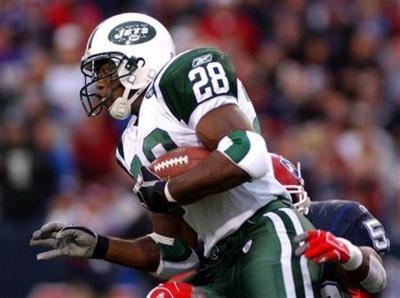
[220, 170]
[206, 100]
[369, 276]
[369, 235]
[165, 252]
[359, 266]
[162, 252]
[238, 155]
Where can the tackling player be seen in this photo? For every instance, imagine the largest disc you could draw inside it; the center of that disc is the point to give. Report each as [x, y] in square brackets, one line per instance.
[230, 200]
[349, 238]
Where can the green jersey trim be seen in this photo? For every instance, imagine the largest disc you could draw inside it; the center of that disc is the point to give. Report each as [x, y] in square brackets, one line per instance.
[176, 252]
[240, 145]
[161, 73]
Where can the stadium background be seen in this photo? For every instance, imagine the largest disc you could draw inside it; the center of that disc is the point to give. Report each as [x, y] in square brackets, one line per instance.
[323, 75]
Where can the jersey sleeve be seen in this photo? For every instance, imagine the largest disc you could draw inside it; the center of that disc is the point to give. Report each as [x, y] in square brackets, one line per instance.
[368, 231]
[196, 82]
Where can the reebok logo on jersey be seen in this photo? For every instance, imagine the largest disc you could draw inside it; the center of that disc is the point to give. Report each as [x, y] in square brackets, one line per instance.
[130, 33]
[201, 60]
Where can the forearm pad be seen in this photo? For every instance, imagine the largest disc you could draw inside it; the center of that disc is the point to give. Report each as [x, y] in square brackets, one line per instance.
[247, 150]
[175, 257]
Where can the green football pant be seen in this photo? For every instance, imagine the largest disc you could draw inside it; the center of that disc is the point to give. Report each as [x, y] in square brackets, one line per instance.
[258, 260]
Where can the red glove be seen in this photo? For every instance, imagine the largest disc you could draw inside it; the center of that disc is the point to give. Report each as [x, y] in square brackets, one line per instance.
[171, 289]
[321, 246]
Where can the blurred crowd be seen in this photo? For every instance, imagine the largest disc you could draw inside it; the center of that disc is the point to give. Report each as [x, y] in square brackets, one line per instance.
[324, 76]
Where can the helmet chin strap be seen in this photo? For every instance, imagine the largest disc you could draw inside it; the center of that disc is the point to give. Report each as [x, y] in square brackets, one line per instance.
[121, 107]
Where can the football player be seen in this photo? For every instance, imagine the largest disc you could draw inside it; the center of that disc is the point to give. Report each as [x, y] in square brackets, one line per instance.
[230, 200]
[349, 238]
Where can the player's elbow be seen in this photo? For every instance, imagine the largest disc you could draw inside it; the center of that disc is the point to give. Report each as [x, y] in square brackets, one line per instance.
[376, 279]
[383, 282]
[247, 150]
[377, 284]
[176, 257]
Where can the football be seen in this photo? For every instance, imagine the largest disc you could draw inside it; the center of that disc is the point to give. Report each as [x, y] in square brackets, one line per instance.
[178, 161]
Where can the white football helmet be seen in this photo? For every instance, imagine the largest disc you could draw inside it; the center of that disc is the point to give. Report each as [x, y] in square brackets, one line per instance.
[137, 46]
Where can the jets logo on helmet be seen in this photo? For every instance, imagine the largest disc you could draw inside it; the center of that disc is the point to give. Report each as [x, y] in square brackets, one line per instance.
[132, 33]
[128, 49]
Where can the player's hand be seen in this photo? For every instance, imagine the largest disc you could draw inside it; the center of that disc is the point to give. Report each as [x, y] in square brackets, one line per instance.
[74, 241]
[321, 246]
[151, 192]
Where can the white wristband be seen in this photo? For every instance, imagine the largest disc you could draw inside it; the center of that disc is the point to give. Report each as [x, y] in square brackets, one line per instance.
[356, 256]
[168, 195]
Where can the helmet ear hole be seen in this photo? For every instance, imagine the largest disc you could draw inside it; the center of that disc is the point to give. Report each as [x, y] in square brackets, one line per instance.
[128, 66]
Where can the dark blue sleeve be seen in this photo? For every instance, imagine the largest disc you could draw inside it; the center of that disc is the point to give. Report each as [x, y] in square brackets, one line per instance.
[368, 231]
[349, 220]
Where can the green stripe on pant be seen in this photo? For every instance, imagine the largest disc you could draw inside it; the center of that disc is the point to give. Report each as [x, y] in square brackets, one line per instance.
[289, 218]
[311, 272]
[258, 260]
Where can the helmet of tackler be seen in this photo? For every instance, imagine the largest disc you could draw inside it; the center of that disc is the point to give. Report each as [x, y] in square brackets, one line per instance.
[289, 176]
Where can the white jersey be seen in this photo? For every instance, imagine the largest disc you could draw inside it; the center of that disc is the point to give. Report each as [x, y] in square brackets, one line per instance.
[188, 87]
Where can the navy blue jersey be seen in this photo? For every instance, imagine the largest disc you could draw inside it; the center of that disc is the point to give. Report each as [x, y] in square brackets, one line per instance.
[351, 221]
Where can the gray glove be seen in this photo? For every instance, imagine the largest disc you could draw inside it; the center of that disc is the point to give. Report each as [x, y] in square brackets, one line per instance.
[73, 241]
